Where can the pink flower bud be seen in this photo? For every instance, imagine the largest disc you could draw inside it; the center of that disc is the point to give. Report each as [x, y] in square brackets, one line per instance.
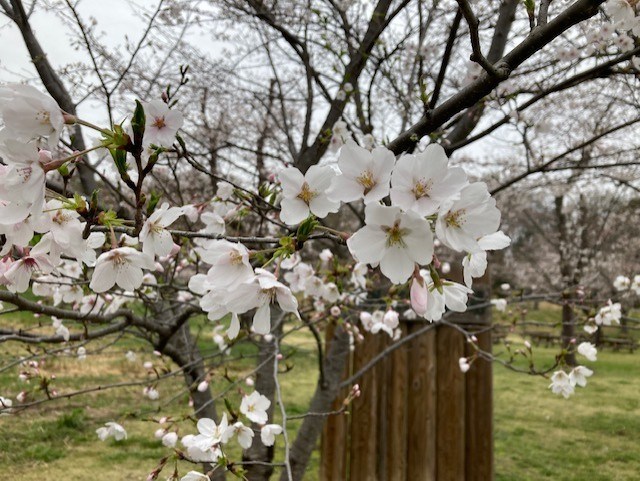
[418, 295]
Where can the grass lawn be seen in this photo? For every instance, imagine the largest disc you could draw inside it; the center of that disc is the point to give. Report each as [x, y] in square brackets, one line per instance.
[592, 436]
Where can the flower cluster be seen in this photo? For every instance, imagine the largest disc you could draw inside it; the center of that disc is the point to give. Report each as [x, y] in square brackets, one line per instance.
[564, 383]
[208, 444]
[427, 196]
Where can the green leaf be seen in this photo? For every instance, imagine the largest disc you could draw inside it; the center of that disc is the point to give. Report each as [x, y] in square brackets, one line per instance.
[138, 123]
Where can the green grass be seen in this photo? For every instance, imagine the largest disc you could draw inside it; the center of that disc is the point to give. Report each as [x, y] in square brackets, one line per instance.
[538, 436]
[592, 436]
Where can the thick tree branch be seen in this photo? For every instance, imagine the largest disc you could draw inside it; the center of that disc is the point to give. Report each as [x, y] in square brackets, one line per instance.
[473, 93]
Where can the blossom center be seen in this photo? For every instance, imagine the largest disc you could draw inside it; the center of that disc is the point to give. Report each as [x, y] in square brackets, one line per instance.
[306, 194]
[395, 234]
[422, 188]
[269, 294]
[119, 260]
[159, 122]
[61, 217]
[24, 173]
[44, 117]
[456, 219]
[235, 258]
[366, 180]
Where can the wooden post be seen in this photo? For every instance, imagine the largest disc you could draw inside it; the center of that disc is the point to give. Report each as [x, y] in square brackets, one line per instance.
[422, 406]
[333, 462]
[419, 417]
[450, 436]
[363, 454]
[397, 413]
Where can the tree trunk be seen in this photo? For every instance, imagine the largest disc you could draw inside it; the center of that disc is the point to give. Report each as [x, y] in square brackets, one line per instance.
[182, 349]
[568, 329]
[323, 398]
[54, 86]
[265, 385]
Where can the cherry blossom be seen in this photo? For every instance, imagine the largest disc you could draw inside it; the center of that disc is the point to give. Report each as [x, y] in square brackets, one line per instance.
[588, 350]
[229, 261]
[122, 266]
[421, 182]
[621, 283]
[305, 194]
[255, 407]
[578, 376]
[195, 476]
[156, 239]
[450, 294]
[365, 175]
[475, 263]
[162, 123]
[22, 183]
[170, 439]
[463, 362]
[393, 239]
[260, 293]
[609, 314]
[212, 434]
[28, 113]
[462, 222]
[269, 432]
[561, 384]
[499, 304]
[20, 273]
[244, 434]
[111, 429]
[419, 296]
[619, 10]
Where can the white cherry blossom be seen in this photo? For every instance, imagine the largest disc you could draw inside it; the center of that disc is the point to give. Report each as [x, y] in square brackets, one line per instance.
[229, 261]
[609, 314]
[421, 182]
[212, 434]
[475, 263]
[260, 293]
[621, 283]
[28, 113]
[255, 407]
[578, 376]
[305, 194]
[22, 181]
[156, 239]
[462, 222]
[122, 266]
[20, 273]
[195, 476]
[394, 239]
[162, 123]
[111, 429]
[269, 432]
[244, 434]
[588, 350]
[561, 384]
[364, 174]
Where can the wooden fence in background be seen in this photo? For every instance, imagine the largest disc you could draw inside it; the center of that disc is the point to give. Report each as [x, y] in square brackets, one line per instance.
[419, 417]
